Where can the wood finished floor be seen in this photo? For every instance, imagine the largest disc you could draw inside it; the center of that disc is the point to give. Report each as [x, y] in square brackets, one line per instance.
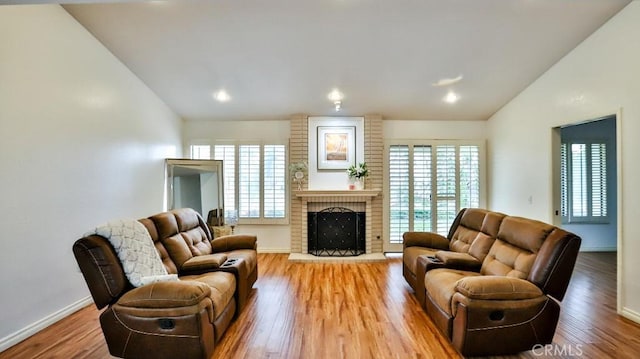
[364, 310]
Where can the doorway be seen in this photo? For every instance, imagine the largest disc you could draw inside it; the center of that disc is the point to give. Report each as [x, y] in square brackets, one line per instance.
[585, 182]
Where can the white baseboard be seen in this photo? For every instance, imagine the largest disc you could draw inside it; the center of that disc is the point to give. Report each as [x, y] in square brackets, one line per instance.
[630, 314]
[274, 250]
[24, 333]
[598, 249]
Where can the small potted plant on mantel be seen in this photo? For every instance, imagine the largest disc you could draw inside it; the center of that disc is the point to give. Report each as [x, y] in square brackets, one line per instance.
[357, 175]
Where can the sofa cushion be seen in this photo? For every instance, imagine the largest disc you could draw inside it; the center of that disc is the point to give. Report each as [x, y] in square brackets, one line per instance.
[440, 285]
[524, 233]
[508, 260]
[162, 251]
[458, 260]
[197, 241]
[166, 295]
[462, 239]
[222, 284]
[410, 256]
[497, 288]
[204, 262]
[480, 246]
[177, 248]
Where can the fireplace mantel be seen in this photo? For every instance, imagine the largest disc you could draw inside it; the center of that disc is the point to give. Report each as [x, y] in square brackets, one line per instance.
[333, 195]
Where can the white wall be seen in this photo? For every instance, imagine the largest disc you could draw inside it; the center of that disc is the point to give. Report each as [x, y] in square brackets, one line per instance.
[435, 130]
[82, 141]
[332, 179]
[598, 78]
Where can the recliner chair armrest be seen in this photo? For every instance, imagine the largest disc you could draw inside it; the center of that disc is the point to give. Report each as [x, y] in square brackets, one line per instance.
[425, 239]
[497, 288]
[457, 260]
[166, 295]
[204, 263]
[234, 241]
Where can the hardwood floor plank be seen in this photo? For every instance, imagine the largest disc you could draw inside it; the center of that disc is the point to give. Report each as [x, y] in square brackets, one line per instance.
[361, 310]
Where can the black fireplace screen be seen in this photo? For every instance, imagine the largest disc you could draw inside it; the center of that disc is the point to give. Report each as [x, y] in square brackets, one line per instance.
[336, 231]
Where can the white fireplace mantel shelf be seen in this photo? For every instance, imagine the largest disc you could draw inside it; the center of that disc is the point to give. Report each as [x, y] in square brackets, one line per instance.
[359, 195]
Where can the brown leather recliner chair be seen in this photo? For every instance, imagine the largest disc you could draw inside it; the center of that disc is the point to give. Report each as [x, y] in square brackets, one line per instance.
[180, 319]
[471, 235]
[512, 302]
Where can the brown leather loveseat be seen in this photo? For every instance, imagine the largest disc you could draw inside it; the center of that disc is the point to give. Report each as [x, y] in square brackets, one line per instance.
[172, 319]
[501, 294]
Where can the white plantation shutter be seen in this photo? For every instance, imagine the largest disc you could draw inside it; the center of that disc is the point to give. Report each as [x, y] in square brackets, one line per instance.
[249, 181]
[428, 185]
[399, 195]
[583, 182]
[598, 180]
[274, 181]
[469, 176]
[422, 190]
[446, 180]
[579, 180]
[564, 182]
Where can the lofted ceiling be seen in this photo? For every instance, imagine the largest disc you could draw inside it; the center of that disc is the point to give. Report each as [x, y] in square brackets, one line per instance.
[280, 57]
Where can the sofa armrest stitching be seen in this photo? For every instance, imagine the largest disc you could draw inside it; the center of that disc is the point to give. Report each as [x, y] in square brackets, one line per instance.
[95, 261]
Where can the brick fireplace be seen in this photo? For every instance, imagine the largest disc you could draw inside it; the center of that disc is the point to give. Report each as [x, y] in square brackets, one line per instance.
[315, 195]
[314, 201]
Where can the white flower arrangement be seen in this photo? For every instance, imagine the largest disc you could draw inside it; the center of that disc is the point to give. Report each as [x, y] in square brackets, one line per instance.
[360, 171]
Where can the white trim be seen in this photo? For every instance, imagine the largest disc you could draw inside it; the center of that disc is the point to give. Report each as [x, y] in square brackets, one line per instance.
[630, 314]
[274, 250]
[33, 328]
[619, 215]
[598, 249]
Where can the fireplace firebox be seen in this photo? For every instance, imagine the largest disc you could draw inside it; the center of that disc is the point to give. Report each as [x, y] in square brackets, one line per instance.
[336, 231]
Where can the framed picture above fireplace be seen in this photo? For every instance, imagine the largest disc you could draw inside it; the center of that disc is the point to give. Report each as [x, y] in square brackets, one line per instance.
[336, 147]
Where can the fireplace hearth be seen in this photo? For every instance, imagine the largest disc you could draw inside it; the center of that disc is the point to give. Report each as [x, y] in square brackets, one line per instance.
[337, 232]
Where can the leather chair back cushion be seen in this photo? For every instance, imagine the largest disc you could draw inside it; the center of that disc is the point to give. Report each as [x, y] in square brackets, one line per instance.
[194, 230]
[516, 247]
[470, 224]
[476, 232]
[162, 250]
[555, 261]
[101, 269]
[197, 241]
[183, 234]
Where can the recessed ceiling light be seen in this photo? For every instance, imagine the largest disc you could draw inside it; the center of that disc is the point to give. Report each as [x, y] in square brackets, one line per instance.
[335, 95]
[447, 81]
[221, 96]
[451, 97]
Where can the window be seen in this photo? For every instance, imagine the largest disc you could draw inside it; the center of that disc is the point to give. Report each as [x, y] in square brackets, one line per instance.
[583, 182]
[428, 184]
[254, 181]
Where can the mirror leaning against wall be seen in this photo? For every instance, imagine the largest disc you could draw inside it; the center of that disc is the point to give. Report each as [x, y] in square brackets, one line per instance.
[195, 184]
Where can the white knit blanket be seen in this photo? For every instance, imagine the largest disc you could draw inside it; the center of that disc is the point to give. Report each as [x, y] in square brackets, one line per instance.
[135, 249]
